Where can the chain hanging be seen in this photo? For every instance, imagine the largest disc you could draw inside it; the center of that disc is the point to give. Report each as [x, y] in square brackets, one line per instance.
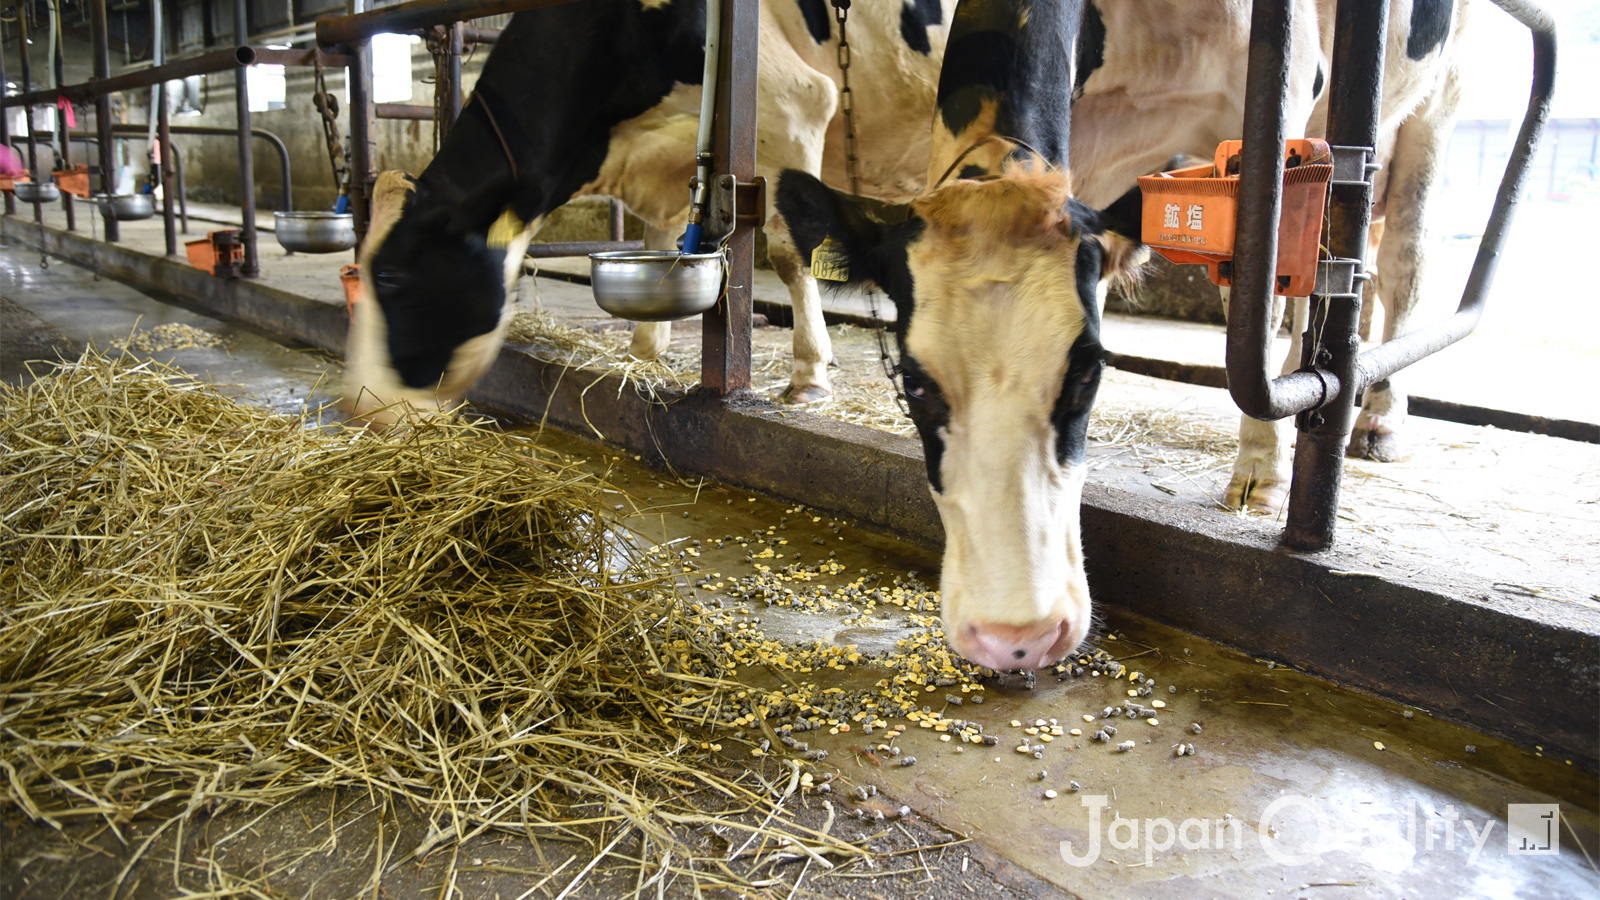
[847, 99]
[847, 105]
[328, 108]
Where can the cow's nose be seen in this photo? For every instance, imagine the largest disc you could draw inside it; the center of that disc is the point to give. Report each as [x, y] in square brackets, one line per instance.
[1002, 647]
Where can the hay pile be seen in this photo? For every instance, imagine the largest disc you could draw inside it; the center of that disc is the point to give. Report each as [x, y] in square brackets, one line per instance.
[206, 603]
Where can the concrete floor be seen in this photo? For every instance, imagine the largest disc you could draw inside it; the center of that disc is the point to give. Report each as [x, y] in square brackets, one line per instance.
[1322, 812]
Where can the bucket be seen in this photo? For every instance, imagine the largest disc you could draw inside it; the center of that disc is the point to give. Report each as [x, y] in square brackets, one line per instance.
[350, 279]
[1188, 214]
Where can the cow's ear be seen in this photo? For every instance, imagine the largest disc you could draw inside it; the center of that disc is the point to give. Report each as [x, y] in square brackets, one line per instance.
[1125, 250]
[836, 240]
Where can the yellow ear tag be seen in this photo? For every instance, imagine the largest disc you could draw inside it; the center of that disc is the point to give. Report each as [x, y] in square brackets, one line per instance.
[504, 230]
[829, 262]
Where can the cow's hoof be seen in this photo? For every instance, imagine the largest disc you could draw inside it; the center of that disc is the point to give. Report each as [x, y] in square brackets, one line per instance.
[1247, 494]
[1380, 446]
[797, 394]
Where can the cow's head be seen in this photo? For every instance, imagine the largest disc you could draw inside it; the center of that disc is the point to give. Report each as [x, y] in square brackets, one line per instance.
[998, 284]
[436, 273]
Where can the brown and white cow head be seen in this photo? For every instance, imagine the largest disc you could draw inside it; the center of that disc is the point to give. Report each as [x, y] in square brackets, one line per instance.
[998, 284]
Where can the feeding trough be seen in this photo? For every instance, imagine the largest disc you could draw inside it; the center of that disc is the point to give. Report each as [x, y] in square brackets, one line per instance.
[655, 285]
[37, 192]
[1189, 214]
[315, 232]
[126, 207]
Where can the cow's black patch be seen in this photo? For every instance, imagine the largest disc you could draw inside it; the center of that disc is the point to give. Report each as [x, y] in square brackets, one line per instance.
[1318, 83]
[916, 17]
[818, 20]
[993, 57]
[1091, 53]
[929, 412]
[971, 171]
[877, 254]
[1430, 24]
[1086, 359]
[976, 67]
[613, 60]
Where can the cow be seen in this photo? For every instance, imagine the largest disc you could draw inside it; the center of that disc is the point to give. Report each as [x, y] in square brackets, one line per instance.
[999, 272]
[602, 98]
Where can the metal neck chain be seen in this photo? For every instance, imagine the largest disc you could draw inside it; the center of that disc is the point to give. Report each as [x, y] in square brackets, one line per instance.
[847, 104]
[328, 110]
[847, 99]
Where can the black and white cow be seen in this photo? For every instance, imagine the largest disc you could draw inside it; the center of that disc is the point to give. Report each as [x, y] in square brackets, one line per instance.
[602, 98]
[999, 273]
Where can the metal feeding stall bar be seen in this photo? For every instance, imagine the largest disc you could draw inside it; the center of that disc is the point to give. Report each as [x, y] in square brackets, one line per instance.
[1324, 393]
[725, 341]
[103, 85]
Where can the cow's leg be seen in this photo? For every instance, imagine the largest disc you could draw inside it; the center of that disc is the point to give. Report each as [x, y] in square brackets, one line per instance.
[796, 104]
[1417, 164]
[650, 339]
[1260, 479]
[813, 349]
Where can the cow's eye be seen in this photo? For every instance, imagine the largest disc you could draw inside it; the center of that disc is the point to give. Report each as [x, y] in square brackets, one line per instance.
[913, 386]
[388, 278]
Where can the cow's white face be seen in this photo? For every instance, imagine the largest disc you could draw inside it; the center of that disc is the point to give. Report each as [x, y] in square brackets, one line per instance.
[434, 302]
[999, 284]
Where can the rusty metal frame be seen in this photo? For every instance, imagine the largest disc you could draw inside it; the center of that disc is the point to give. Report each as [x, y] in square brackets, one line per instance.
[725, 328]
[1324, 392]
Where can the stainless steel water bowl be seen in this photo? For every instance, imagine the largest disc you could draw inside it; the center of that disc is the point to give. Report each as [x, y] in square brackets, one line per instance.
[655, 285]
[37, 191]
[126, 207]
[315, 232]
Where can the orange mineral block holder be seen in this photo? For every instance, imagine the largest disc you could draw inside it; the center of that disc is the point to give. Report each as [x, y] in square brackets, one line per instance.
[1188, 214]
[74, 181]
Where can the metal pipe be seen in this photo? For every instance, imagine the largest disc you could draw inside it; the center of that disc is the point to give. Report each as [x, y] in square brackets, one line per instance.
[247, 165]
[479, 35]
[164, 168]
[618, 219]
[702, 145]
[452, 97]
[725, 329]
[1251, 301]
[414, 112]
[204, 64]
[362, 148]
[33, 139]
[418, 15]
[102, 111]
[579, 248]
[1355, 99]
[183, 190]
[286, 194]
[57, 75]
[5, 126]
[1381, 362]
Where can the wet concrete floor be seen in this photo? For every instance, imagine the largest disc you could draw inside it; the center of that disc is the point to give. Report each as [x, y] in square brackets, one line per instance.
[1287, 793]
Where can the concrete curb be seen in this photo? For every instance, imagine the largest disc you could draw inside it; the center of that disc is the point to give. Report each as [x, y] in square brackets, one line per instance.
[1524, 668]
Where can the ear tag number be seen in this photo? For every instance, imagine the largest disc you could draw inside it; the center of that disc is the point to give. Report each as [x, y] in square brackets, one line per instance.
[829, 262]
